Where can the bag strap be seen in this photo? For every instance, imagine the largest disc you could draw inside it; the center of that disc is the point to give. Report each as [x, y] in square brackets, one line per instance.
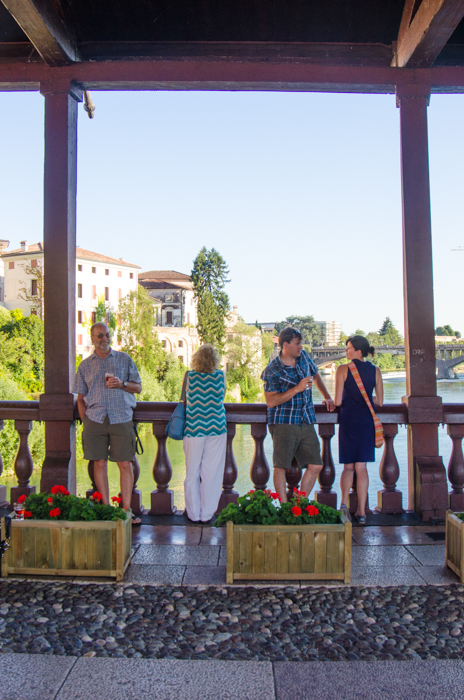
[360, 385]
[138, 442]
[183, 393]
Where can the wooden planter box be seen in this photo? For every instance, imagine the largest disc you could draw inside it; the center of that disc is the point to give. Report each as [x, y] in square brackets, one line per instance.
[63, 548]
[454, 547]
[283, 552]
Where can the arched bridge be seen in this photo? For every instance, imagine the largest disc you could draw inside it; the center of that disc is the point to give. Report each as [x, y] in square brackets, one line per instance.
[448, 356]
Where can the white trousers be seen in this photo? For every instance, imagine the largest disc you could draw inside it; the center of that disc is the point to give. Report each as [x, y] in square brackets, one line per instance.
[204, 467]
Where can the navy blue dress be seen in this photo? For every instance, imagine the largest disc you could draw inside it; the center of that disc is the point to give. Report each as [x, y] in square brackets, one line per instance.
[356, 434]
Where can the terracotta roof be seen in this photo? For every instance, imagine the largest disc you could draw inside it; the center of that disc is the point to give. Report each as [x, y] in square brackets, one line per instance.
[157, 284]
[163, 275]
[81, 254]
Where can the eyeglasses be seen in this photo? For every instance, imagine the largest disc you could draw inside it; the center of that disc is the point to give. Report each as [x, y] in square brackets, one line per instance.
[102, 335]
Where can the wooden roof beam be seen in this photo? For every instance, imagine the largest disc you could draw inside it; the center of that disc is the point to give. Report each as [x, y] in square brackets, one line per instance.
[421, 40]
[45, 29]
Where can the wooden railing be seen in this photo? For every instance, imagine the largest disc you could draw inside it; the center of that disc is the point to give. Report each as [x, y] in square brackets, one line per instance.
[390, 499]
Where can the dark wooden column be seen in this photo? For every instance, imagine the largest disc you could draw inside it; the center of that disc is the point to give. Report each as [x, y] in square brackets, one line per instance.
[427, 477]
[60, 178]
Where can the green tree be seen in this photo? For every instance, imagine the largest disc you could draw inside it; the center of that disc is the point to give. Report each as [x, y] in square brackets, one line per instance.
[22, 350]
[9, 438]
[246, 356]
[136, 332]
[309, 329]
[104, 313]
[209, 277]
[389, 335]
[446, 330]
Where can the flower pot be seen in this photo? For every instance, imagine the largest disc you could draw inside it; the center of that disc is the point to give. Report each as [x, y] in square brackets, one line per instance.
[287, 552]
[65, 548]
[454, 547]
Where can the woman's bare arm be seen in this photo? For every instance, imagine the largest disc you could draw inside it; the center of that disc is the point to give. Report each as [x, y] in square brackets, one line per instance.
[340, 378]
[378, 396]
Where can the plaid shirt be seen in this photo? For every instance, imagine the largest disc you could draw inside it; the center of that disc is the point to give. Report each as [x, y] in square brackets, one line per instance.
[101, 401]
[279, 377]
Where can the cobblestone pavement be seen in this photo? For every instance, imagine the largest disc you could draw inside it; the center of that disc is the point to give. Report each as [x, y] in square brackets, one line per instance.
[289, 623]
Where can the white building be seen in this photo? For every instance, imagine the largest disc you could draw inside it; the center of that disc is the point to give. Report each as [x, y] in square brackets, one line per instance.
[330, 332]
[97, 276]
[3, 245]
[176, 311]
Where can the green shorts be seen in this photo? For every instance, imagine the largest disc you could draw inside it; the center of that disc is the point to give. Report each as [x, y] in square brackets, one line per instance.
[299, 441]
[108, 441]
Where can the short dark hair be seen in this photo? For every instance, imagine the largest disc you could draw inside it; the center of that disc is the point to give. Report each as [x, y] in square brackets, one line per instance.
[287, 335]
[359, 342]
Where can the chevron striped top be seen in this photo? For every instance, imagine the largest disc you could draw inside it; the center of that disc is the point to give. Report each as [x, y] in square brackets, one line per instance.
[205, 414]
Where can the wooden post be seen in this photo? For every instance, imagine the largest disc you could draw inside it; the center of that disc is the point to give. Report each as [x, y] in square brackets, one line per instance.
[427, 478]
[60, 177]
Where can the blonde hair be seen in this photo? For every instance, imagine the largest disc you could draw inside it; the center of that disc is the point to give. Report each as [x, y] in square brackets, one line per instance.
[206, 359]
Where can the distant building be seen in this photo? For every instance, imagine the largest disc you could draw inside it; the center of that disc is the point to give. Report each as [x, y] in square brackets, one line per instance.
[175, 311]
[265, 327]
[330, 332]
[97, 276]
[3, 245]
[447, 339]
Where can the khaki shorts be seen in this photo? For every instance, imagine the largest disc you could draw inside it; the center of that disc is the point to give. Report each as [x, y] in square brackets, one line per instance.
[106, 441]
[299, 441]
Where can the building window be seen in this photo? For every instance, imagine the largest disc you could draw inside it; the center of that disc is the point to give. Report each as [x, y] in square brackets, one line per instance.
[107, 293]
[11, 266]
[33, 312]
[79, 316]
[34, 288]
[163, 343]
[119, 294]
[107, 272]
[169, 317]
[94, 291]
[181, 343]
[79, 339]
[94, 317]
[119, 273]
[188, 318]
[131, 274]
[79, 268]
[79, 291]
[33, 263]
[94, 270]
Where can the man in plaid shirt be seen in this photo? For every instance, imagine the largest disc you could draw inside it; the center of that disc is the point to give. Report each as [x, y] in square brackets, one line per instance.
[288, 381]
[105, 385]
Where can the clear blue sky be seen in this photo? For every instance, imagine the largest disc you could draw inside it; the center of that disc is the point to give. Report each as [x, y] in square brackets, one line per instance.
[300, 193]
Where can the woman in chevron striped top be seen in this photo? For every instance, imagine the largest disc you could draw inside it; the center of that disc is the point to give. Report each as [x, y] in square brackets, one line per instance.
[205, 434]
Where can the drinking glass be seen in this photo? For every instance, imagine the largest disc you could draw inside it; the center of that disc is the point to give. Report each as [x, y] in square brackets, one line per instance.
[19, 511]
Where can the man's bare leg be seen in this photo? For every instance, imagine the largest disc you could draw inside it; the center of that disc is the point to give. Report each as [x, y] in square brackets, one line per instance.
[310, 475]
[126, 476]
[100, 474]
[280, 483]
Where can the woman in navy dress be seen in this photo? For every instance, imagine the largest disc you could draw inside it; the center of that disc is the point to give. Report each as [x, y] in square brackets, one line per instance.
[356, 434]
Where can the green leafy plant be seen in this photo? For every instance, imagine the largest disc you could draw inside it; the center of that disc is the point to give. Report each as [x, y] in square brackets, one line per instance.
[265, 508]
[61, 505]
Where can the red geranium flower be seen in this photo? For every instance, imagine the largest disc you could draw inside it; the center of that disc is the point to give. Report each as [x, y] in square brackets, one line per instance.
[96, 496]
[250, 492]
[116, 499]
[55, 512]
[296, 511]
[21, 499]
[50, 500]
[27, 514]
[60, 489]
[276, 495]
[312, 510]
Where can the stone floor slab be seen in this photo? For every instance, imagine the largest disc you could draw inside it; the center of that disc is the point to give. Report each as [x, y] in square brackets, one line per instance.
[385, 576]
[223, 556]
[166, 679]
[428, 556]
[207, 575]
[32, 676]
[177, 555]
[382, 556]
[213, 535]
[409, 534]
[401, 680]
[167, 535]
[151, 573]
[437, 574]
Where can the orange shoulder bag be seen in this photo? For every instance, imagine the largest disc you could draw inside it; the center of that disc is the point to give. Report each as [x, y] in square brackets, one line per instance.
[377, 424]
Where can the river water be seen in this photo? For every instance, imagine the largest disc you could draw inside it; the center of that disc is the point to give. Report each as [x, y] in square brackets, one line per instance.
[451, 391]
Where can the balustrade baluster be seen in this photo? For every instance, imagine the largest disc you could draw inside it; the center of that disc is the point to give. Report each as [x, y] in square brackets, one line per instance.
[259, 470]
[293, 477]
[3, 499]
[228, 495]
[456, 468]
[389, 499]
[136, 500]
[23, 464]
[327, 473]
[162, 498]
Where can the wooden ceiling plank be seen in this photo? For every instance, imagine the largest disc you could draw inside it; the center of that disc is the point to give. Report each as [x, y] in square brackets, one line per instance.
[40, 22]
[410, 6]
[432, 26]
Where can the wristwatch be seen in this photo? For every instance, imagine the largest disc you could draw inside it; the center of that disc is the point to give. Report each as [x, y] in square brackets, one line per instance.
[125, 384]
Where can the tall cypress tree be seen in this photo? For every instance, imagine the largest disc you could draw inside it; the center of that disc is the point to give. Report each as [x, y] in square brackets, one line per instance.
[209, 277]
